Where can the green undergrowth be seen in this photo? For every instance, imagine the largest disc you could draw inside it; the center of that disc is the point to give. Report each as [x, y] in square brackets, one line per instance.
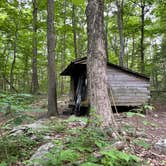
[15, 100]
[142, 143]
[17, 148]
[20, 147]
[84, 147]
[16, 109]
[10, 103]
[75, 145]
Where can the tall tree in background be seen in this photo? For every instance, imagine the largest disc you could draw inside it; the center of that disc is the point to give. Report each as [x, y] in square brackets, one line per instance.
[74, 30]
[35, 84]
[14, 57]
[142, 5]
[119, 5]
[52, 92]
[63, 54]
[96, 63]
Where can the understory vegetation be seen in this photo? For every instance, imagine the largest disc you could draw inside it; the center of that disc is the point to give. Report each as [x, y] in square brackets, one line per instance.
[73, 143]
[76, 149]
[76, 146]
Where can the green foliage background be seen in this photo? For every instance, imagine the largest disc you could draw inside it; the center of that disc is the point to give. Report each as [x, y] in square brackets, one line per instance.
[18, 13]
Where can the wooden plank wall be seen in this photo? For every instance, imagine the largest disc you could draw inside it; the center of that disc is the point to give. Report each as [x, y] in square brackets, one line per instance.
[128, 89]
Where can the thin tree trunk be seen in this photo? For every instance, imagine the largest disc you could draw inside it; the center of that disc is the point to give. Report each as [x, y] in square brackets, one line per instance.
[119, 5]
[114, 44]
[35, 84]
[4, 85]
[133, 51]
[96, 64]
[80, 42]
[25, 74]
[14, 59]
[1, 83]
[2, 67]
[127, 54]
[52, 92]
[4, 72]
[142, 35]
[64, 50]
[74, 31]
[156, 80]
[11, 86]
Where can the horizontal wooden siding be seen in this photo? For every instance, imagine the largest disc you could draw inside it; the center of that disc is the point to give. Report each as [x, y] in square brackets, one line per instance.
[127, 89]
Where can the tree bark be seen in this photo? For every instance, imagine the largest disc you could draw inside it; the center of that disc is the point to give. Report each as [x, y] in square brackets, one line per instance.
[2, 67]
[52, 93]
[64, 49]
[35, 84]
[119, 5]
[114, 45]
[25, 75]
[5, 70]
[14, 58]
[96, 64]
[133, 51]
[74, 31]
[142, 35]
[106, 34]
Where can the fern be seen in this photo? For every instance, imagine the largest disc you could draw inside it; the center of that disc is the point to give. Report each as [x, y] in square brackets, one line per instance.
[118, 158]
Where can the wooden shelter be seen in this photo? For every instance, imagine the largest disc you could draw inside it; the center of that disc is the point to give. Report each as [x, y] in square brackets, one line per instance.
[127, 88]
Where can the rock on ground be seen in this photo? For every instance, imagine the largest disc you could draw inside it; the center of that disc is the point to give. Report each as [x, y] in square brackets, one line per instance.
[40, 154]
[161, 146]
[19, 130]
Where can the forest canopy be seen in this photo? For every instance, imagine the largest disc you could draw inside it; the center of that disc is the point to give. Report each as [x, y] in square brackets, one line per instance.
[134, 30]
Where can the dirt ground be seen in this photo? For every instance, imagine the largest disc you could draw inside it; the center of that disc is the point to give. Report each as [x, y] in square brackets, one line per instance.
[153, 129]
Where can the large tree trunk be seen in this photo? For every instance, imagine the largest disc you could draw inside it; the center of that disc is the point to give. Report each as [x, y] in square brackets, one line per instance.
[106, 32]
[14, 58]
[52, 93]
[35, 84]
[96, 64]
[142, 35]
[119, 5]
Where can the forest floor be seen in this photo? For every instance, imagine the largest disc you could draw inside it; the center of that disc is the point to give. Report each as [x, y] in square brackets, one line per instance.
[150, 129]
[139, 136]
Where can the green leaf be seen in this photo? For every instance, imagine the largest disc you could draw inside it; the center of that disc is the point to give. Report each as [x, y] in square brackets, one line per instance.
[78, 2]
[3, 163]
[89, 164]
[142, 143]
[131, 114]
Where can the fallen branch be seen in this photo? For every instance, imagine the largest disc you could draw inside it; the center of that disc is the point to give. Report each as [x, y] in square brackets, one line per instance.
[10, 84]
